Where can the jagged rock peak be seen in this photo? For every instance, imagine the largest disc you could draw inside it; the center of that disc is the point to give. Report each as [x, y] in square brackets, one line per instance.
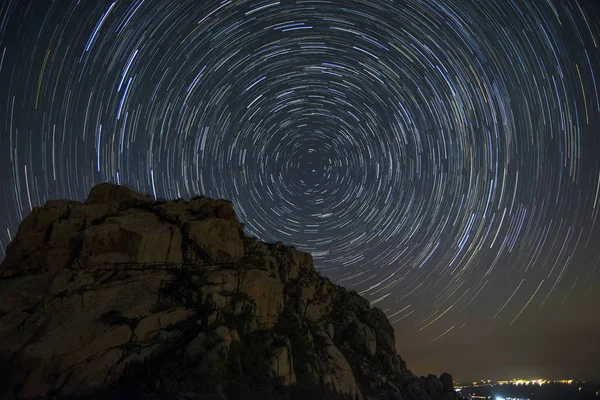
[123, 291]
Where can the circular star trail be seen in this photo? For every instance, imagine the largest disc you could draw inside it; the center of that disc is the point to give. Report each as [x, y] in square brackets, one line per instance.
[440, 157]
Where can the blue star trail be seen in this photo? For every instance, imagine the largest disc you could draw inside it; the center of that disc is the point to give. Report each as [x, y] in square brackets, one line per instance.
[442, 158]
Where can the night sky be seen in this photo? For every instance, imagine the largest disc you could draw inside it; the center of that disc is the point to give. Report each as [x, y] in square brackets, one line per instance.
[440, 157]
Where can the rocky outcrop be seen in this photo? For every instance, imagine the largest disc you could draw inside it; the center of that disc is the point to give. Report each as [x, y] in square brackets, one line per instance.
[340, 378]
[282, 364]
[93, 293]
[137, 236]
[219, 235]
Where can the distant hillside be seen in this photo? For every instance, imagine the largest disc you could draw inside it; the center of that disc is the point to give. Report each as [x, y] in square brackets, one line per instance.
[126, 295]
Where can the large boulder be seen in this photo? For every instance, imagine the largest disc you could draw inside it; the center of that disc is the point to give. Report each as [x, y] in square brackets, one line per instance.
[341, 379]
[218, 286]
[291, 261]
[205, 207]
[65, 321]
[28, 252]
[225, 281]
[22, 292]
[103, 244]
[62, 351]
[148, 327]
[90, 374]
[319, 309]
[120, 197]
[89, 214]
[218, 235]
[282, 364]
[195, 349]
[384, 331]
[267, 294]
[363, 338]
[141, 236]
[222, 335]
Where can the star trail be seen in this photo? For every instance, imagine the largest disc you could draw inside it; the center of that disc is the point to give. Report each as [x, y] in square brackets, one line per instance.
[440, 157]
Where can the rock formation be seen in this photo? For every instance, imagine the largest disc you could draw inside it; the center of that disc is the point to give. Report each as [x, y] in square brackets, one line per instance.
[123, 292]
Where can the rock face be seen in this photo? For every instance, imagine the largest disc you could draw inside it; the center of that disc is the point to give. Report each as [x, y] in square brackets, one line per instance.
[124, 288]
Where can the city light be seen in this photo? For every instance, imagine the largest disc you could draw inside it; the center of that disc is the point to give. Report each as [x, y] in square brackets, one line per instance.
[518, 389]
[519, 382]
